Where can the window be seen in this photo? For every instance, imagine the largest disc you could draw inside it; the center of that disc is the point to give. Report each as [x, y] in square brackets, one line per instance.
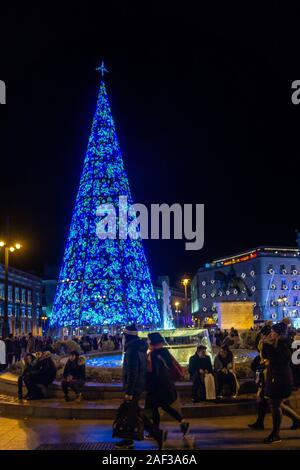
[24, 296]
[1, 291]
[10, 293]
[29, 296]
[17, 294]
[283, 269]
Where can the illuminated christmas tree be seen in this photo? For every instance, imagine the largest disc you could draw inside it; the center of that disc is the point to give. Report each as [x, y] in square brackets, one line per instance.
[102, 281]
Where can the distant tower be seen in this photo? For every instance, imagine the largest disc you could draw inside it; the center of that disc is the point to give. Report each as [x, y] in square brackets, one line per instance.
[102, 282]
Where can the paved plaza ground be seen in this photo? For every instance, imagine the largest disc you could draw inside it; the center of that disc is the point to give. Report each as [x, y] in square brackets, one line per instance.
[206, 433]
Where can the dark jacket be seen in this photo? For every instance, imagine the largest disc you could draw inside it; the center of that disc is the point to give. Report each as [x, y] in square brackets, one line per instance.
[75, 368]
[196, 363]
[10, 347]
[160, 385]
[135, 367]
[279, 380]
[43, 371]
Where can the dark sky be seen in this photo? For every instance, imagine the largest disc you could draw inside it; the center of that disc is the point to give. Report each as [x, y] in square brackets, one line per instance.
[202, 104]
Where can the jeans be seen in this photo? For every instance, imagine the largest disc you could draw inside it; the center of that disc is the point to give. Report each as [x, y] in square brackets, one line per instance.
[198, 393]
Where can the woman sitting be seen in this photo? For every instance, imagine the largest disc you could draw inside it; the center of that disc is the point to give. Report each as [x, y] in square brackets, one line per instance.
[224, 369]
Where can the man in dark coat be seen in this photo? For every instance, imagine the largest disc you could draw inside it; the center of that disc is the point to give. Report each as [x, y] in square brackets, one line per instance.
[41, 376]
[199, 365]
[279, 379]
[134, 382]
[74, 376]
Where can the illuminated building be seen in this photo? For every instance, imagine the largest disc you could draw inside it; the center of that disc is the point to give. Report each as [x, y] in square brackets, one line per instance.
[272, 277]
[24, 301]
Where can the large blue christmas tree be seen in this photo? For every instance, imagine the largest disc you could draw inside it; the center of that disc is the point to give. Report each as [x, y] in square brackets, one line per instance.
[102, 281]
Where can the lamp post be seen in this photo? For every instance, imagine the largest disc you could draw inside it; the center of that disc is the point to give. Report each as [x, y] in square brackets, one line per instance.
[185, 283]
[177, 312]
[7, 250]
[44, 318]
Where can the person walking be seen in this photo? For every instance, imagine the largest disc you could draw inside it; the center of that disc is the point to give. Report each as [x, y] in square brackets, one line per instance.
[134, 382]
[279, 380]
[74, 376]
[161, 388]
[259, 366]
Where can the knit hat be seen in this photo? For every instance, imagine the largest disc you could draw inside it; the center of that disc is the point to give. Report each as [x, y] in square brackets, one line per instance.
[280, 328]
[156, 338]
[287, 321]
[131, 330]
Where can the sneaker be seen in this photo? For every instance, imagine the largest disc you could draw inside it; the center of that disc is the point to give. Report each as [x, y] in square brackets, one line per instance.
[78, 398]
[184, 427]
[162, 440]
[67, 398]
[272, 439]
[256, 426]
[125, 444]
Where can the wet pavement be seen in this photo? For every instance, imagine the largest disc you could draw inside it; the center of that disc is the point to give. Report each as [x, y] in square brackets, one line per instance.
[207, 433]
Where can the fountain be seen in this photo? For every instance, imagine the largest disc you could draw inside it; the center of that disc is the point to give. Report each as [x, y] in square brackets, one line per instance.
[168, 323]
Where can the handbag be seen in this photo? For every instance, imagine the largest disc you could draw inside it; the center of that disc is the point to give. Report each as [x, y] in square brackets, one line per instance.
[129, 424]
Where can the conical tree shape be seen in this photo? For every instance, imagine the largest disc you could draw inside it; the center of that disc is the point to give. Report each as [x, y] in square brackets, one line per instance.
[102, 282]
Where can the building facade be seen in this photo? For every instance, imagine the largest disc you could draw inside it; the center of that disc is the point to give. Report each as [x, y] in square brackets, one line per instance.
[270, 277]
[24, 301]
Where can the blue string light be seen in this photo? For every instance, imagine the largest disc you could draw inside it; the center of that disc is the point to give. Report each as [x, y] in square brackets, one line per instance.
[102, 282]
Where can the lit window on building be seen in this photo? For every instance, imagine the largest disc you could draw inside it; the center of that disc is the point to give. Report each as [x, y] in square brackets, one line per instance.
[17, 294]
[2, 291]
[10, 293]
[24, 296]
[29, 296]
[294, 269]
[283, 269]
[271, 269]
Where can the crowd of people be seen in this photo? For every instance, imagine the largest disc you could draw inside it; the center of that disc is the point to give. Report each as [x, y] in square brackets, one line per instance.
[150, 368]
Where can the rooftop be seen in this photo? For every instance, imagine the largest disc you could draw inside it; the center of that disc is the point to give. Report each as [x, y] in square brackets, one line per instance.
[288, 252]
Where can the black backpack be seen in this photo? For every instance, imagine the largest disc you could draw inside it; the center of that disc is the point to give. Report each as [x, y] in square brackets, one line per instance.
[128, 423]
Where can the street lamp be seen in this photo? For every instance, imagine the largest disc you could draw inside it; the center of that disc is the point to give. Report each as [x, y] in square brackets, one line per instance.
[7, 249]
[177, 304]
[44, 318]
[185, 283]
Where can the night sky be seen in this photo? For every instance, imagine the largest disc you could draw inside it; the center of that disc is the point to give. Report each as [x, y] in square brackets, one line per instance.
[202, 105]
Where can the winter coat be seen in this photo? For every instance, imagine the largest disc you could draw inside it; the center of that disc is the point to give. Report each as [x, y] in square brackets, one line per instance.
[44, 370]
[160, 385]
[75, 368]
[10, 348]
[135, 367]
[279, 380]
[196, 363]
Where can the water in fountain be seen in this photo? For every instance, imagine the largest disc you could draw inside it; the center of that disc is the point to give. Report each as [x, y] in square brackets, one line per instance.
[168, 323]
